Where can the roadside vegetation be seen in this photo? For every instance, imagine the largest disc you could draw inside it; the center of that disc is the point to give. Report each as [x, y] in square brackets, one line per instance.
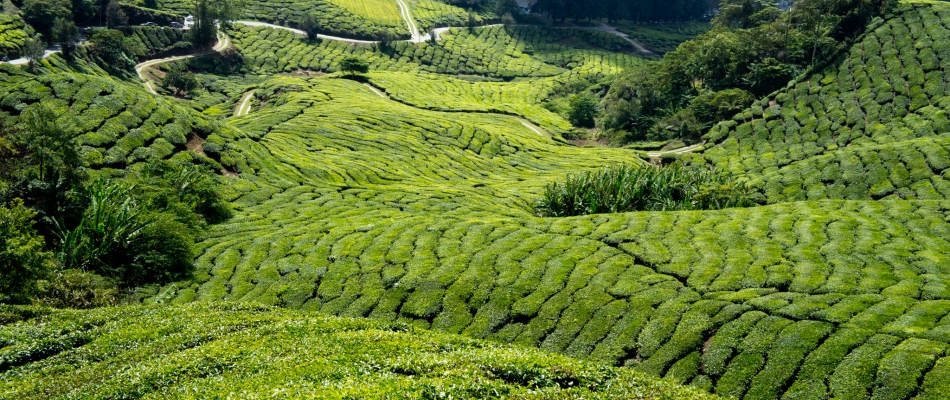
[224, 349]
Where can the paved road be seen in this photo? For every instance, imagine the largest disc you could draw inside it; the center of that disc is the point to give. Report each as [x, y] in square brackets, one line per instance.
[415, 37]
[300, 32]
[50, 51]
[223, 43]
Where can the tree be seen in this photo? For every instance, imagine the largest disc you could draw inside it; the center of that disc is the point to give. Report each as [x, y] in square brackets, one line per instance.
[109, 44]
[433, 37]
[65, 33]
[354, 65]
[22, 258]
[40, 14]
[507, 20]
[114, 15]
[385, 40]
[203, 33]
[471, 20]
[180, 80]
[309, 24]
[226, 11]
[503, 7]
[33, 50]
[583, 110]
[40, 163]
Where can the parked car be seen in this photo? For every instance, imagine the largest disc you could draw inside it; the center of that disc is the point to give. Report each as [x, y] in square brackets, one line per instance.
[176, 25]
[150, 23]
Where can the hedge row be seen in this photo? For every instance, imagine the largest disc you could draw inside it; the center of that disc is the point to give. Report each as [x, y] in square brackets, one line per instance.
[888, 90]
[424, 219]
[252, 351]
[490, 51]
[116, 123]
[12, 35]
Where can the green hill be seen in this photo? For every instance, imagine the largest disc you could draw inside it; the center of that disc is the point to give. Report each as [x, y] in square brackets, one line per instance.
[233, 350]
[871, 126]
[406, 196]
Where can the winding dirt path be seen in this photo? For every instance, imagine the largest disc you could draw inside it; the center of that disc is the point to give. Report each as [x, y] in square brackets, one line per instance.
[613, 30]
[223, 42]
[244, 105]
[377, 91]
[410, 23]
[681, 150]
[533, 127]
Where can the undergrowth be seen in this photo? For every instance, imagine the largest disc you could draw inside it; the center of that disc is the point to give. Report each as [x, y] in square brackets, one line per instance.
[624, 188]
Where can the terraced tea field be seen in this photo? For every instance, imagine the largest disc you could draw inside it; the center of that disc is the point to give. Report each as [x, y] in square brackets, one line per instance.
[407, 197]
[117, 124]
[248, 351]
[861, 129]
[384, 12]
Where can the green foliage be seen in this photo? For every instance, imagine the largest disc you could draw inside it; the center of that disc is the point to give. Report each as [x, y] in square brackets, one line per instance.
[78, 289]
[110, 46]
[41, 14]
[204, 32]
[625, 188]
[354, 65]
[33, 50]
[583, 111]
[214, 349]
[310, 24]
[743, 52]
[663, 38]
[851, 130]
[112, 221]
[180, 80]
[41, 164]
[23, 259]
[66, 34]
[12, 34]
[115, 16]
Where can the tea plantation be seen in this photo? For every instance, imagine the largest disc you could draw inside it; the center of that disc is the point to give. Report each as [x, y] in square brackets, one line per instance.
[378, 215]
[250, 351]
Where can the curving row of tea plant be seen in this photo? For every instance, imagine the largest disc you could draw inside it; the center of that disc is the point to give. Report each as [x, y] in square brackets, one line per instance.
[425, 218]
[861, 128]
[12, 34]
[116, 124]
[251, 351]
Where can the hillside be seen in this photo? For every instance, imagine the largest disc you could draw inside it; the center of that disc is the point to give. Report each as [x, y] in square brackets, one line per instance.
[424, 217]
[251, 351]
[871, 126]
[404, 197]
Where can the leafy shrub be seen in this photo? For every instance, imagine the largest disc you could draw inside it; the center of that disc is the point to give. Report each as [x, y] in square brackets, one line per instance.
[23, 259]
[73, 288]
[583, 110]
[626, 188]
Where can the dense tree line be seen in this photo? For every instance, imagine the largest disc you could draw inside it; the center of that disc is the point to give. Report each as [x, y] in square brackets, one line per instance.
[635, 10]
[71, 236]
[753, 49]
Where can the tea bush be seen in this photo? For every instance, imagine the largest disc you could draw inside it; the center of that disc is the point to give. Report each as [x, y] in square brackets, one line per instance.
[12, 35]
[225, 349]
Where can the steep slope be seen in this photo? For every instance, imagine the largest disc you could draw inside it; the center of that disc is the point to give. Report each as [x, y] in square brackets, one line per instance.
[117, 123]
[871, 126]
[234, 350]
[425, 217]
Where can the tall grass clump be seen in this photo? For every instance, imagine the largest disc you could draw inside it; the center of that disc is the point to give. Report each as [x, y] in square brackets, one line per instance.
[624, 188]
